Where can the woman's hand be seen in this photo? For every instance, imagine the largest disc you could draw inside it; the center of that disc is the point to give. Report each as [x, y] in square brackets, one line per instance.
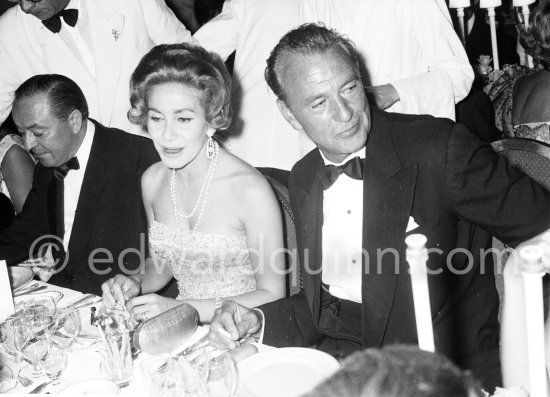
[119, 290]
[42, 267]
[148, 306]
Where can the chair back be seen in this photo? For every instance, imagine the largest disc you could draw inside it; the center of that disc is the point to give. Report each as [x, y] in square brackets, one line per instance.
[533, 158]
[530, 156]
[294, 281]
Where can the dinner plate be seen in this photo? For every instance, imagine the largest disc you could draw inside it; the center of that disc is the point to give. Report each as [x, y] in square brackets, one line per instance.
[289, 372]
[7, 380]
[90, 386]
[19, 276]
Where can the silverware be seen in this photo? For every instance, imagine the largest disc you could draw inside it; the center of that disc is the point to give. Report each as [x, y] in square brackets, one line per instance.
[24, 381]
[38, 389]
[202, 342]
[86, 300]
[25, 289]
[29, 290]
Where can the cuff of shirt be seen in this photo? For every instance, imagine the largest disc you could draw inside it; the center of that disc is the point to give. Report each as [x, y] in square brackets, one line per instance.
[259, 335]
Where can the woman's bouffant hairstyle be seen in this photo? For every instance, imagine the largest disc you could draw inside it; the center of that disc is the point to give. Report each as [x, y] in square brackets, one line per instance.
[536, 38]
[307, 39]
[189, 65]
[397, 371]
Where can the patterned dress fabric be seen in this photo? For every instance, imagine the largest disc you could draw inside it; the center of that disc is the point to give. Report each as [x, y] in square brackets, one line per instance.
[205, 265]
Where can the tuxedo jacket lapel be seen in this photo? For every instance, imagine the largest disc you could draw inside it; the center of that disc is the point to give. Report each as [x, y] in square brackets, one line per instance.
[309, 208]
[387, 202]
[90, 191]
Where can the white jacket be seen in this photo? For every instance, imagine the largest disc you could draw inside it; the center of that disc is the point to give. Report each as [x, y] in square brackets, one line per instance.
[121, 32]
[408, 43]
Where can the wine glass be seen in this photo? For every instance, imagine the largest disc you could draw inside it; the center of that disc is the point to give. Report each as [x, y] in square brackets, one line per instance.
[222, 377]
[34, 352]
[15, 334]
[55, 363]
[65, 328]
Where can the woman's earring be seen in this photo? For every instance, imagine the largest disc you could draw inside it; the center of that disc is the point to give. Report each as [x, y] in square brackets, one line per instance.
[210, 147]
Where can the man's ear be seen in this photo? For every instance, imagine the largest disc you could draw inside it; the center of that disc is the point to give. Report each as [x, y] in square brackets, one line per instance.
[75, 121]
[287, 114]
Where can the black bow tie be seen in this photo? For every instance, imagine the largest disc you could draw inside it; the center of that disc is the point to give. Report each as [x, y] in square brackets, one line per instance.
[61, 172]
[352, 168]
[70, 17]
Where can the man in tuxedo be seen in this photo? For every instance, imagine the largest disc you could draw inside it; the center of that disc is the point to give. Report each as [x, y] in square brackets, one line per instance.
[374, 178]
[86, 195]
[96, 43]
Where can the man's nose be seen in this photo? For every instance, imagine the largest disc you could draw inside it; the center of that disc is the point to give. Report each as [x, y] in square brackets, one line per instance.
[342, 110]
[26, 5]
[29, 141]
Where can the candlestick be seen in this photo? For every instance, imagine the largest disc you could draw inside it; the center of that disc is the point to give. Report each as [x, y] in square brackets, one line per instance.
[492, 24]
[532, 271]
[417, 256]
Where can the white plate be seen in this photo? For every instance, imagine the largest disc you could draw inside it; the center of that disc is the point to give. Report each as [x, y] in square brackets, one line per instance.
[7, 380]
[19, 276]
[90, 386]
[289, 372]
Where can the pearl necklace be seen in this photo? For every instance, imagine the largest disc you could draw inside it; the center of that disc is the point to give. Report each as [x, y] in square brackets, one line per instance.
[205, 188]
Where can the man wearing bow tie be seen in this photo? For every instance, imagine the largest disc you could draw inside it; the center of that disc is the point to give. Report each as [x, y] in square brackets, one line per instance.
[96, 43]
[374, 178]
[86, 196]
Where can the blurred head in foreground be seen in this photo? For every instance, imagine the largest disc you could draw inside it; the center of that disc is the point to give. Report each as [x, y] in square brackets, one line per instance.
[398, 371]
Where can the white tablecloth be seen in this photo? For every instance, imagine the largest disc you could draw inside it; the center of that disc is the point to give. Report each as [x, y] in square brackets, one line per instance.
[84, 362]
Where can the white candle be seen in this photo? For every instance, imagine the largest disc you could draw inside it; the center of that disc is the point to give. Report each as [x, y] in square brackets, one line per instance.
[519, 3]
[490, 3]
[6, 298]
[417, 256]
[532, 271]
[494, 46]
[459, 3]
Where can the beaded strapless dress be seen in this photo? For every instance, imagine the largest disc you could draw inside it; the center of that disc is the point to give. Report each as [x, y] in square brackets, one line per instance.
[205, 265]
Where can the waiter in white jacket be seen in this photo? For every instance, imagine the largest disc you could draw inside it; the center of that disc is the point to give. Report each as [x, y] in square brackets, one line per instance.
[96, 43]
[415, 61]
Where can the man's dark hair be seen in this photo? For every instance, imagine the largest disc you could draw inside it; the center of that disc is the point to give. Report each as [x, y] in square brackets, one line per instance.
[63, 94]
[307, 39]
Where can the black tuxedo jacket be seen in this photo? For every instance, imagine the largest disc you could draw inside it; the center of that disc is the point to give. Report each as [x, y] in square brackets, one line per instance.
[110, 225]
[440, 174]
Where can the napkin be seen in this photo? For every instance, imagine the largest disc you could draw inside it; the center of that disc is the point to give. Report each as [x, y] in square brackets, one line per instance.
[6, 298]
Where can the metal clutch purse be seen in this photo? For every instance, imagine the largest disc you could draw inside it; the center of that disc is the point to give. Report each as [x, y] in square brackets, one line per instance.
[161, 333]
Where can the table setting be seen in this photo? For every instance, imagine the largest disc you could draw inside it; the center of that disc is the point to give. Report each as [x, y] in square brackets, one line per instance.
[59, 341]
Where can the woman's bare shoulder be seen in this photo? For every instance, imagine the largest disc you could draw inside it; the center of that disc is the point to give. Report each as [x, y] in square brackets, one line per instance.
[153, 177]
[241, 175]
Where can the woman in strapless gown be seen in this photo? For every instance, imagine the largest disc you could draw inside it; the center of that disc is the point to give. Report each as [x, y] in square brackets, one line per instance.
[214, 222]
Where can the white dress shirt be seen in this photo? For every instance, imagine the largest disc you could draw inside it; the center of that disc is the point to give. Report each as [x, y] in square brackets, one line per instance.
[343, 234]
[73, 183]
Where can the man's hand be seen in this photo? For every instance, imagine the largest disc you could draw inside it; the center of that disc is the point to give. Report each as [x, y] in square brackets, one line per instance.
[383, 96]
[42, 267]
[233, 322]
[148, 306]
[119, 290]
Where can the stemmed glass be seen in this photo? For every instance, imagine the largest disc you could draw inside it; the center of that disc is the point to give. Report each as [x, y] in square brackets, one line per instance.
[222, 377]
[55, 363]
[65, 328]
[39, 320]
[15, 334]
